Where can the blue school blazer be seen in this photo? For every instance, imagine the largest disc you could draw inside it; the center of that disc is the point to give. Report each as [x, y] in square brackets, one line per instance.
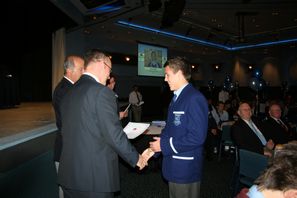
[183, 137]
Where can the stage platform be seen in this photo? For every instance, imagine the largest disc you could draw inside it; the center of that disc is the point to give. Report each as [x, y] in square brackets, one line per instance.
[26, 131]
[25, 117]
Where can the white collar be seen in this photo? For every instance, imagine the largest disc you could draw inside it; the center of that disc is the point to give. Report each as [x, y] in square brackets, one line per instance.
[69, 79]
[177, 92]
[92, 75]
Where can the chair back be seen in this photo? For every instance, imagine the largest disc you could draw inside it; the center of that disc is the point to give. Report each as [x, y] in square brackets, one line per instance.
[250, 166]
[226, 136]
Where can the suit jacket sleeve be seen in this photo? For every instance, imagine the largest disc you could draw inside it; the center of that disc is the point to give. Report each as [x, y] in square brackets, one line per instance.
[111, 127]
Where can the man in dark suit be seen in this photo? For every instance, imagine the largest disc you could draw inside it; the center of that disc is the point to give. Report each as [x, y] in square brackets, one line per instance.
[182, 139]
[275, 128]
[247, 132]
[73, 69]
[92, 135]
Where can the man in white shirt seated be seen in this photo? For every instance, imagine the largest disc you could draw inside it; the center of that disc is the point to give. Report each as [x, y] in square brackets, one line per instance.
[219, 114]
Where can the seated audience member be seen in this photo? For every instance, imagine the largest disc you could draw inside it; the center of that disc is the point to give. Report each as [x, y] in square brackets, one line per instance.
[279, 179]
[212, 134]
[219, 114]
[246, 132]
[216, 117]
[275, 128]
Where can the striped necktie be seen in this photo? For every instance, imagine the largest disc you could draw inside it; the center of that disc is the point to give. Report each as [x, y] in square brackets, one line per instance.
[174, 98]
[282, 124]
[257, 132]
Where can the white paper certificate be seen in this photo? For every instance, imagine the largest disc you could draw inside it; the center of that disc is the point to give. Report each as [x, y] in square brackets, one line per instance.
[134, 129]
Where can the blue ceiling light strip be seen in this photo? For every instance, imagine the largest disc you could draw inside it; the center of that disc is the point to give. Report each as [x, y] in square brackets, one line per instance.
[107, 8]
[265, 44]
[179, 36]
[103, 9]
[203, 42]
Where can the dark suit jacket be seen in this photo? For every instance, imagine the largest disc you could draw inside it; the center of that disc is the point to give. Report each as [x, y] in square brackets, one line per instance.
[274, 131]
[61, 89]
[244, 137]
[92, 138]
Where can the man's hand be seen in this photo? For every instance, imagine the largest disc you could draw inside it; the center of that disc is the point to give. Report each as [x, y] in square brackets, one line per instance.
[270, 144]
[214, 131]
[147, 154]
[144, 157]
[123, 114]
[155, 146]
[141, 162]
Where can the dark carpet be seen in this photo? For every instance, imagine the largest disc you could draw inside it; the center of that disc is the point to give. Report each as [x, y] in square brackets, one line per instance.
[216, 181]
[37, 179]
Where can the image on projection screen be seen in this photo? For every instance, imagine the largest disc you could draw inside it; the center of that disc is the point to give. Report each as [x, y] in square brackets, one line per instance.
[151, 60]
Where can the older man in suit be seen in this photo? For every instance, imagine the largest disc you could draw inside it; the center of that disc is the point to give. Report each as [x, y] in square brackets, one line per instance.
[275, 128]
[92, 135]
[73, 69]
[181, 141]
[247, 132]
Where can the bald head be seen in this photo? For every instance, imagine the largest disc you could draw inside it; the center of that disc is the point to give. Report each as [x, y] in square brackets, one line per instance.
[245, 111]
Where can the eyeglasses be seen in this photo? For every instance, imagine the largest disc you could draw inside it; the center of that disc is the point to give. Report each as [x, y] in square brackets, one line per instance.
[107, 66]
[99, 60]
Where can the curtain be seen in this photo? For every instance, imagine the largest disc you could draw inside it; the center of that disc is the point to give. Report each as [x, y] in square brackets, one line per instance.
[58, 56]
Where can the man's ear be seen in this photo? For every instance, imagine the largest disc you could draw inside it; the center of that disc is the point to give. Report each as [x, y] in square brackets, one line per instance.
[290, 193]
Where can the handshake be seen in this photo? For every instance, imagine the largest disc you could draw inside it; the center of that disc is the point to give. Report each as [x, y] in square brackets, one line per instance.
[144, 157]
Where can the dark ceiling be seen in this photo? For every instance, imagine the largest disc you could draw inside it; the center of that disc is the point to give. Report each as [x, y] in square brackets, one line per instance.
[189, 25]
[27, 28]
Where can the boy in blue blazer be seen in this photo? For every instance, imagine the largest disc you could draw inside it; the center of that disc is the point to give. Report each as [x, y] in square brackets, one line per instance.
[181, 141]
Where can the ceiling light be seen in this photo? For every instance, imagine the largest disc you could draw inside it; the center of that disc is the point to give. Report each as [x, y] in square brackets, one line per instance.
[216, 67]
[127, 58]
[250, 67]
[201, 41]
